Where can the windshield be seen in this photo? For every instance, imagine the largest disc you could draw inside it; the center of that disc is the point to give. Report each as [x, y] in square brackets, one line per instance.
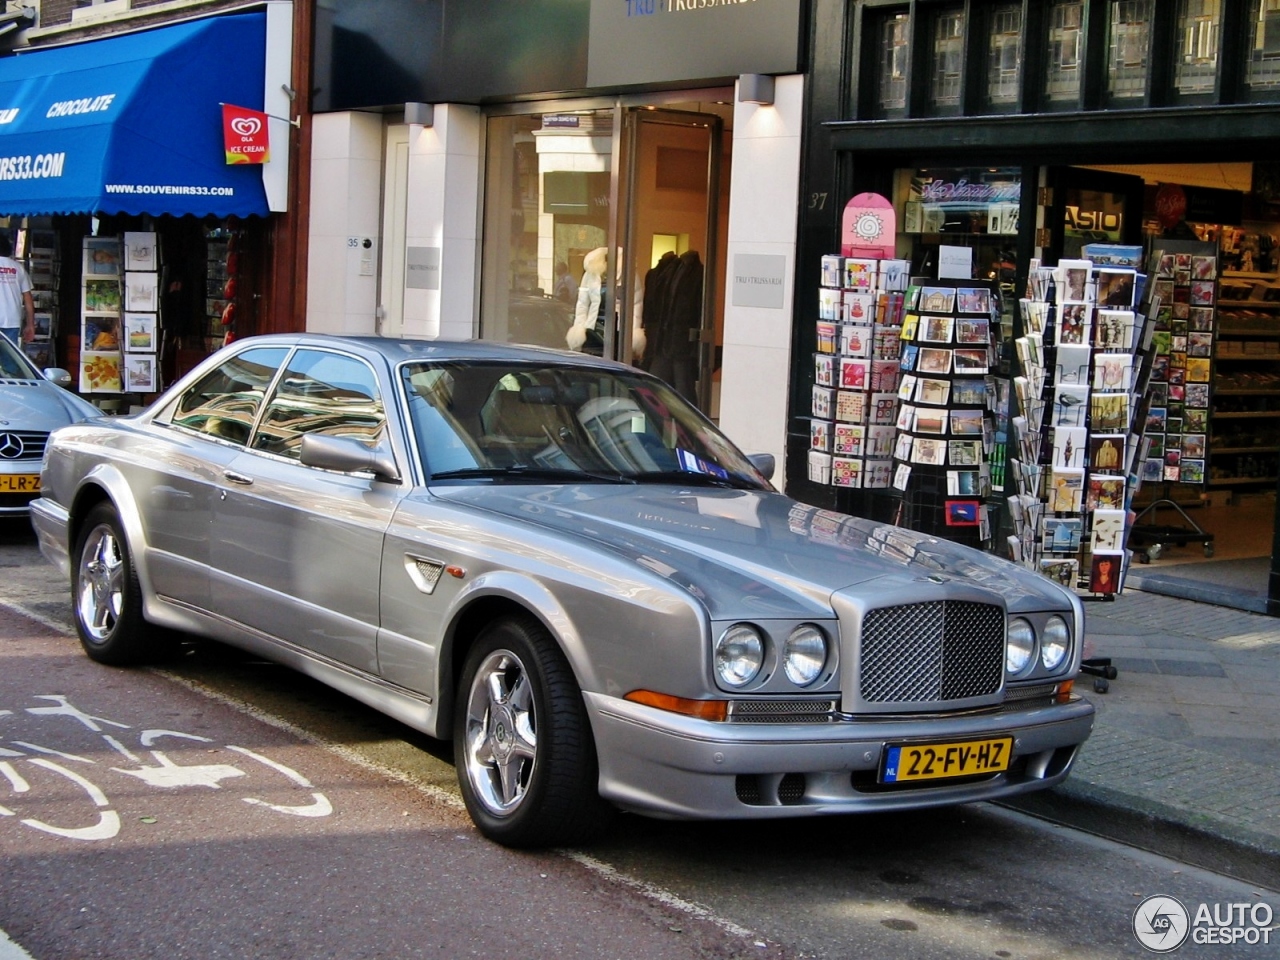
[14, 365]
[552, 423]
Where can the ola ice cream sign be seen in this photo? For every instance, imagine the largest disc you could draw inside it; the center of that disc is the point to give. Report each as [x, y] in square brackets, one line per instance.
[244, 133]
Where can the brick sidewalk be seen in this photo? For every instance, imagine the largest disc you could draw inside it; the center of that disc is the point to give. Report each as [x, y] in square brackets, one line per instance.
[1186, 747]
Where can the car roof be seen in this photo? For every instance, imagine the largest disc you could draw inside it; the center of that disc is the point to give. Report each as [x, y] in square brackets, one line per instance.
[399, 350]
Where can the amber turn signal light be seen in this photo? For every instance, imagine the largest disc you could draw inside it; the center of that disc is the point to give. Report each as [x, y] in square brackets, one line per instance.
[701, 709]
[1064, 691]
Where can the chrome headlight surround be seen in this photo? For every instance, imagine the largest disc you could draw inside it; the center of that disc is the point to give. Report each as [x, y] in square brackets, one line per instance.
[805, 654]
[1055, 644]
[739, 655]
[1020, 646]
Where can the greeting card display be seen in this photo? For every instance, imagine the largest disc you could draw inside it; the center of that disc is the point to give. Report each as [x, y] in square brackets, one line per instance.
[857, 371]
[1084, 361]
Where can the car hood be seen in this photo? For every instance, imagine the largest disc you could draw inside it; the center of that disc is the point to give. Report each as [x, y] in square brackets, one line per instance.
[756, 553]
[40, 405]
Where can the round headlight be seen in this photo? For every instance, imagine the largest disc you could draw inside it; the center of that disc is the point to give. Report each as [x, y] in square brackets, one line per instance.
[1022, 643]
[739, 654]
[804, 654]
[1055, 644]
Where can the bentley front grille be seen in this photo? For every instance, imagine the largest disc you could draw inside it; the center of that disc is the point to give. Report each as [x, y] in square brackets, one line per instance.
[940, 651]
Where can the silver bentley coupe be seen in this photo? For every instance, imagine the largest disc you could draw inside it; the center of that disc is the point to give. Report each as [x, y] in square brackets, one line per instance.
[559, 564]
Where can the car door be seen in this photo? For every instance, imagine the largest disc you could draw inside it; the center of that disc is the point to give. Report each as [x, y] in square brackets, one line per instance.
[297, 548]
[182, 469]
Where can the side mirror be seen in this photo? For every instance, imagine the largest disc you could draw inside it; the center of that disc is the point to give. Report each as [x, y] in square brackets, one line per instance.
[59, 376]
[347, 456]
[764, 462]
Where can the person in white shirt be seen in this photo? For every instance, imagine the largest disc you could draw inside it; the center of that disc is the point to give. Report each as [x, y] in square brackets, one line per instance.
[17, 306]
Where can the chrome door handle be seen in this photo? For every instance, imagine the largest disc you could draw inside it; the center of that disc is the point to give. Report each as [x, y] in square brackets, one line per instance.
[237, 477]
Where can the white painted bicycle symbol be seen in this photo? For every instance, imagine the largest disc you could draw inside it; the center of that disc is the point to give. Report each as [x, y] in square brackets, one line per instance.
[19, 757]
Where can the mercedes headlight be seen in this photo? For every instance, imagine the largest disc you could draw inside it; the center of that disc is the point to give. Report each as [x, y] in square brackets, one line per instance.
[1055, 644]
[739, 654]
[1021, 645]
[804, 654]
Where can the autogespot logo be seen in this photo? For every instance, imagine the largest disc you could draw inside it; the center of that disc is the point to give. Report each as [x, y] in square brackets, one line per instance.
[1161, 924]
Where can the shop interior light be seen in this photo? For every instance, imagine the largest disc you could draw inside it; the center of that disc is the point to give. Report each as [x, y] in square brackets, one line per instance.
[423, 114]
[755, 88]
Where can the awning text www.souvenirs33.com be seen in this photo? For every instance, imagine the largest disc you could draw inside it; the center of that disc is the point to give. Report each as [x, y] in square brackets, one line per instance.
[39, 167]
[169, 189]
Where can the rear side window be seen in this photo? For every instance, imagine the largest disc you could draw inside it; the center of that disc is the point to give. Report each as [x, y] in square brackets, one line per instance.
[225, 402]
[325, 393]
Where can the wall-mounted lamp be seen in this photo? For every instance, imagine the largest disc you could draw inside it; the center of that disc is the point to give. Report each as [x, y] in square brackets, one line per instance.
[755, 88]
[420, 113]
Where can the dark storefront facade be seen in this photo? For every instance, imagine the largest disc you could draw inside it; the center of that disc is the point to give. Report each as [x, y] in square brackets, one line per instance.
[1067, 123]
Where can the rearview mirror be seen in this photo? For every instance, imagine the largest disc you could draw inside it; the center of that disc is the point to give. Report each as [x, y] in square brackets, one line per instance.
[765, 463]
[59, 376]
[347, 456]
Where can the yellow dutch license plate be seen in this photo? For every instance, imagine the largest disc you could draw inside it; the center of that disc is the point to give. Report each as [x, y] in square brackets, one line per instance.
[935, 761]
[20, 483]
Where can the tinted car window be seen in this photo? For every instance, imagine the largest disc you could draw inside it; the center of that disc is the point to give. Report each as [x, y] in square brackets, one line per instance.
[13, 364]
[225, 402]
[321, 392]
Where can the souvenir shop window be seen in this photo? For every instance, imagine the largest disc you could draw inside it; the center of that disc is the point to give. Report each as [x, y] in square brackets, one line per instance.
[947, 67]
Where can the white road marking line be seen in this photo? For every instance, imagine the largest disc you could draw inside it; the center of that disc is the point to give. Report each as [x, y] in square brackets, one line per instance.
[446, 797]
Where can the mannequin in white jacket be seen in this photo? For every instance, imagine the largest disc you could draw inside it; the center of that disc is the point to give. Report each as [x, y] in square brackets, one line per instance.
[587, 312]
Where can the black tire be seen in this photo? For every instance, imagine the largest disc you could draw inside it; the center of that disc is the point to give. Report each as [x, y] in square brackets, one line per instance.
[106, 599]
[525, 757]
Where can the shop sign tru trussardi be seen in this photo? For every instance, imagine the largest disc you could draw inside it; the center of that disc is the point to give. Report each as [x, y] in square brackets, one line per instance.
[663, 41]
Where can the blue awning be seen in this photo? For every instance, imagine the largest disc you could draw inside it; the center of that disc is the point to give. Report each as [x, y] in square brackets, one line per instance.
[132, 124]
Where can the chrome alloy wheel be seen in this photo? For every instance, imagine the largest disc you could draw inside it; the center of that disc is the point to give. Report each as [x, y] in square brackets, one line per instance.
[100, 583]
[501, 733]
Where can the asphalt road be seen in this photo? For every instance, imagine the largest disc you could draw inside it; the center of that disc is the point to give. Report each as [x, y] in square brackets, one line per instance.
[225, 807]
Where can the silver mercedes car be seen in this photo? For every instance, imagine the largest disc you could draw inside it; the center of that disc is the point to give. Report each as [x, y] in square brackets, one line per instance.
[558, 563]
[33, 403]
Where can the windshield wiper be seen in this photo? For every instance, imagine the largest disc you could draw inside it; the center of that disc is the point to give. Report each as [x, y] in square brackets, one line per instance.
[694, 479]
[525, 472]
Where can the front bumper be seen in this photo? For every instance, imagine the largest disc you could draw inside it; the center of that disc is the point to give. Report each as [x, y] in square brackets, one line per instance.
[51, 521]
[666, 765]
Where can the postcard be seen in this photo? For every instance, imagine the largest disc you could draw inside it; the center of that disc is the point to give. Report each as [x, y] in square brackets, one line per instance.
[1112, 372]
[902, 448]
[1075, 323]
[884, 375]
[1069, 445]
[1071, 278]
[1062, 572]
[1106, 492]
[937, 299]
[966, 422]
[1066, 490]
[884, 408]
[1073, 364]
[140, 373]
[856, 339]
[1197, 370]
[877, 474]
[963, 513]
[826, 333]
[851, 406]
[101, 257]
[1114, 329]
[846, 472]
[969, 391]
[140, 333]
[820, 435]
[141, 292]
[100, 372]
[934, 360]
[1070, 405]
[832, 270]
[140, 251]
[858, 307]
[1115, 287]
[964, 453]
[910, 323]
[1202, 293]
[901, 476]
[1110, 412]
[823, 399]
[1104, 573]
[910, 352]
[929, 420]
[906, 417]
[963, 483]
[847, 439]
[973, 300]
[101, 295]
[1062, 534]
[934, 392]
[1192, 471]
[928, 451]
[1106, 452]
[853, 373]
[970, 361]
[879, 442]
[819, 467]
[859, 274]
[969, 330]
[936, 329]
